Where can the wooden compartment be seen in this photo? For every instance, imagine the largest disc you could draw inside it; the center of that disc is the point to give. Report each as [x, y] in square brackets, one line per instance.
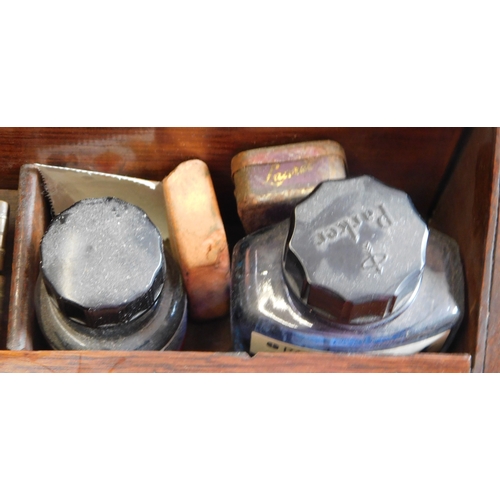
[451, 175]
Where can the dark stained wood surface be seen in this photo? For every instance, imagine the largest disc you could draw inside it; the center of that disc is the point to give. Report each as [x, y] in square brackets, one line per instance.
[468, 211]
[413, 159]
[197, 362]
[492, 351]
[10, 196]
[31, 222]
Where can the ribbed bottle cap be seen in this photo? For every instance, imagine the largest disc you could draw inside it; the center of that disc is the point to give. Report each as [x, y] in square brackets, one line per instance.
[102, 260]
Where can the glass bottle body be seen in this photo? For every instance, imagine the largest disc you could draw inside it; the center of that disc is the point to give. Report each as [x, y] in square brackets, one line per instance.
[107, 282]
[162, 327]
[267, 316]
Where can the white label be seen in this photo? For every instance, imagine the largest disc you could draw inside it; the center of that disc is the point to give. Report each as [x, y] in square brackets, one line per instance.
[263, 343]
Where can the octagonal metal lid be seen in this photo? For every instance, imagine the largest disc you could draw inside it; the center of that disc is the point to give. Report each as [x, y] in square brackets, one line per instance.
[102, 260]
[356, 250]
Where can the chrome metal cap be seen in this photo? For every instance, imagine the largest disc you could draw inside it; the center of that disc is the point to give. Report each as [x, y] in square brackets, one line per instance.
[356, 250]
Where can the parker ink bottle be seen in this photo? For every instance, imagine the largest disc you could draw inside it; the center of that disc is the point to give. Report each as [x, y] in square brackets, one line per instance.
[355, 269]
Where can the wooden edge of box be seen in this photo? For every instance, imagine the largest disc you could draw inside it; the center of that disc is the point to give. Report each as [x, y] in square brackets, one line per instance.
[213, 362]
[491, 360]
[28, 233]
[484, 348]
[471, 191]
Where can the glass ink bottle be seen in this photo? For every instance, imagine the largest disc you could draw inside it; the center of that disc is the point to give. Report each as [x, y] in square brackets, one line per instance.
[106, 283]
[355, 269]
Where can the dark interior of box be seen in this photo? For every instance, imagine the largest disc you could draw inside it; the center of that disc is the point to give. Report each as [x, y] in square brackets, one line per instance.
[445, 171]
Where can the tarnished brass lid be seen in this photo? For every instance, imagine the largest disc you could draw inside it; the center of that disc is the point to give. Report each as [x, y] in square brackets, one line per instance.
[285, 153]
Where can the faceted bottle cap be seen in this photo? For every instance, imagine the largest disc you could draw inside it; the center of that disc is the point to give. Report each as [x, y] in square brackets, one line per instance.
[356, 250]
[102, 260]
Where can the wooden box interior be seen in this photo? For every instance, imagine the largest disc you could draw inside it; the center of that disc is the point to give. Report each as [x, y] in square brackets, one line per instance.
[451, 175]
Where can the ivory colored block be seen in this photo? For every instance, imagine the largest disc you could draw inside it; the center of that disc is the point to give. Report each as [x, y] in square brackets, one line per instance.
[198, 239]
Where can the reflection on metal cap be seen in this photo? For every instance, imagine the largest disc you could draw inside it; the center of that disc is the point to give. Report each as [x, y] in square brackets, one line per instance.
[356, 250]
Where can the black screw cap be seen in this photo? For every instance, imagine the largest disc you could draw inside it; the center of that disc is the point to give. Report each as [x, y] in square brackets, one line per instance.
[356, 250]
[102, 260]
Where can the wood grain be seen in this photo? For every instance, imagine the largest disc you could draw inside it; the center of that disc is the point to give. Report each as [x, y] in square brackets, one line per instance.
[492, 350]
[197, 362]
[31, 222]
[10, 196]
[413, 159]
[467, 211]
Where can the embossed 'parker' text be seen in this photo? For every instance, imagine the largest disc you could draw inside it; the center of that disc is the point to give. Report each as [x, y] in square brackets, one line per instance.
[349, 227]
